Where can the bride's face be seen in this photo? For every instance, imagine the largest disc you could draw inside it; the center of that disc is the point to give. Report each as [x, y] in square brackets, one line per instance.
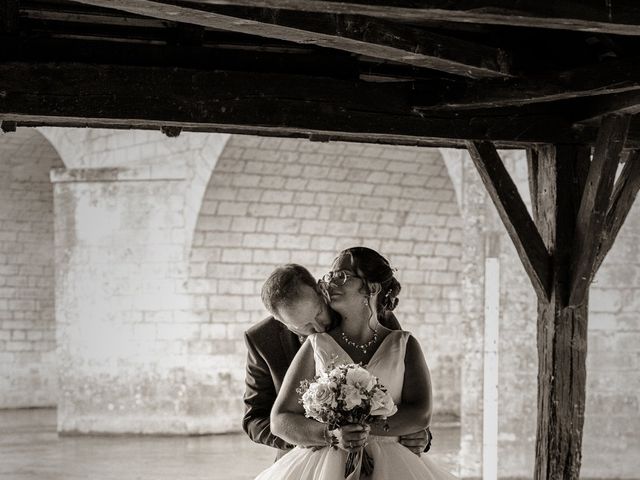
[345, 289]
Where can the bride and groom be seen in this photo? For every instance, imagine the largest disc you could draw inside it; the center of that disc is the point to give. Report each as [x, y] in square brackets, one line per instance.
[361, 290]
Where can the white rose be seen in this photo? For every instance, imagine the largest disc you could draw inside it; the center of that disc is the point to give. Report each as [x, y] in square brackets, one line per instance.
[360, 378]
[319, 395]
[382, 405]
[351, 396]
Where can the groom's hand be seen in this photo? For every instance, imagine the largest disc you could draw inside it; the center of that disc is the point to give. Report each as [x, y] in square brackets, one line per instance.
[417, 442]
[352, 437]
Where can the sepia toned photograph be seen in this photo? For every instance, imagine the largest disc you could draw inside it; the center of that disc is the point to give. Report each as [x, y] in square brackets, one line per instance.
[319, 240]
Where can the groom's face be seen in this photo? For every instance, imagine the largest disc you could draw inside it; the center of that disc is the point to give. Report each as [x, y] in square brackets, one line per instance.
[306, 314]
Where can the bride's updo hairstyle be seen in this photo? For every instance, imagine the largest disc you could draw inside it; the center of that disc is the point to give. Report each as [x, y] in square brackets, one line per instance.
[376, 270]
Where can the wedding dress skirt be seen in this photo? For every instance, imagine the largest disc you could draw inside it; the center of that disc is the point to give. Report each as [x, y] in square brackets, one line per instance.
[392, 461]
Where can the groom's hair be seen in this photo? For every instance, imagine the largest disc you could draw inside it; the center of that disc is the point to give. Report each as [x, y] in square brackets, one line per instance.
[282, 288]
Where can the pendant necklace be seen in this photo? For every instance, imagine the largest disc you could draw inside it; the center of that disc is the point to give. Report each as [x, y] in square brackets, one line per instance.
[361, 346]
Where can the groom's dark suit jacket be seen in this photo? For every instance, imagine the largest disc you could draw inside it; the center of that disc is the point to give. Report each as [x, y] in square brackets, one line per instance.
[271, 348]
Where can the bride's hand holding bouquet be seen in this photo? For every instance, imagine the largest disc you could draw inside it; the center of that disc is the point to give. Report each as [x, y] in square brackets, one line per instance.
[348, 399]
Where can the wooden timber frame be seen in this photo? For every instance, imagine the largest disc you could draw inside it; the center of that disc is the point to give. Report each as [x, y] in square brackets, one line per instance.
[558, 79]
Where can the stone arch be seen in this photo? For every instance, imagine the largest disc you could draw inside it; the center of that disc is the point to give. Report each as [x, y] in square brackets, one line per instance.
[28, 376]
[273, 201]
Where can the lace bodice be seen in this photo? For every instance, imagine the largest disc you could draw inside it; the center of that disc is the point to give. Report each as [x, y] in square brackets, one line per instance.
[387, 363]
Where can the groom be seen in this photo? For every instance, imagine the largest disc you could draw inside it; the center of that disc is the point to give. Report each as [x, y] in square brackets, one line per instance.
[298, 310]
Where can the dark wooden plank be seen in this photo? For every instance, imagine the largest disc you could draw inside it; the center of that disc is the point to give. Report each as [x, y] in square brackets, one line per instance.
[561, 330]
[611, 77]
[595, 202]
[9, 18]
[622, 18]
[593, 109]
[514, 215]
[354, 34]
[252, 102]
[624, 194]
[62, 50]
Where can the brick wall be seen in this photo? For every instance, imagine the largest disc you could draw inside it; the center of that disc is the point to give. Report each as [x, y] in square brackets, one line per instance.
[273, 201]
[27, 328]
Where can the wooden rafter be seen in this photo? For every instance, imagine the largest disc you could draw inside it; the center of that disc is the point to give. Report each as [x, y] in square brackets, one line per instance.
[624, 194]
[622, 18]
[253, 103]
[590, 224]
[513, 212]
[354, 34]
[611, 77]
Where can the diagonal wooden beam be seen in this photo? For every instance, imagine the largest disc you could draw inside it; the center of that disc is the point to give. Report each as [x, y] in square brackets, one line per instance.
[590, 222]
[356, 34]
[624, 194]
[513, 212]
[598, 81]
[621, 17]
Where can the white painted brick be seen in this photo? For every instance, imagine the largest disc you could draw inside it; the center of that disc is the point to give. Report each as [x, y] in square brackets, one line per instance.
[294, 242]
[236, 255]
[258, 240]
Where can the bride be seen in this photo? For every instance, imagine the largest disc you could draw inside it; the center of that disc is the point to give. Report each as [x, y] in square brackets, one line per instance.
[362, 287]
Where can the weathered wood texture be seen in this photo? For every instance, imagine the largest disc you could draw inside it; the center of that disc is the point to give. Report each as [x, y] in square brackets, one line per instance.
[621, 18]
[356, 34]
[562, 329]
[590, 223]
[514, 215]
[610, 77]
[255, 103]
[624, 194]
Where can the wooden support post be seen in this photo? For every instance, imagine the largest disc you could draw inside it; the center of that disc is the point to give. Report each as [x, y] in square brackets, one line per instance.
[562, 329]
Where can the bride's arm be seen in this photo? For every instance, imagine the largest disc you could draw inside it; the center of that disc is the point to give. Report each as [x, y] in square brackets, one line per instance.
[287, 416]
[414, 413]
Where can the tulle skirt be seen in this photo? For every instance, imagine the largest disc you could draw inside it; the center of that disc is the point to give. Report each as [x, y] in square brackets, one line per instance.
[391, 460]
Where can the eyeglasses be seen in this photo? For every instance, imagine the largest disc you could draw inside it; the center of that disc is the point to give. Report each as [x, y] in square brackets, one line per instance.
[338, 278]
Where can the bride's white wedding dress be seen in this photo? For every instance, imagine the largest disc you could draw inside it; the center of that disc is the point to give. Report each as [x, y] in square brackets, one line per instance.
[392, 461]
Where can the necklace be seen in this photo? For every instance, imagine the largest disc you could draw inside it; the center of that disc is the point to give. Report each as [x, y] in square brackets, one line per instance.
[361, 346]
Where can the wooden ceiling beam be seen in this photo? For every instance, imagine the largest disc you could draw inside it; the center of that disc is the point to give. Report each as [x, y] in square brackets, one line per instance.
[256, 103]
[621, 18]
[355, 34]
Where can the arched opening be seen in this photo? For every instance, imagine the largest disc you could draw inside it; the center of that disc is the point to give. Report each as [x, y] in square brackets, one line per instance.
[27, 327]
[274, 201]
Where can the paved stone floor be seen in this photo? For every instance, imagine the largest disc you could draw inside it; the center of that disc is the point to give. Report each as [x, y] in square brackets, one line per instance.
[30, 449]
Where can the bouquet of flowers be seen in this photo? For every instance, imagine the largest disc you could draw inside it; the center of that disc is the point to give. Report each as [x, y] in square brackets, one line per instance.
[347, 394]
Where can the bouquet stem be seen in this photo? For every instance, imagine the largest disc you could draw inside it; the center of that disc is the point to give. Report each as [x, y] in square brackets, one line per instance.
[357, 463]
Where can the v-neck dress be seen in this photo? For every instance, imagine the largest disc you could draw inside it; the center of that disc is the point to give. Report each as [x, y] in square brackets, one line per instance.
[392, 461]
